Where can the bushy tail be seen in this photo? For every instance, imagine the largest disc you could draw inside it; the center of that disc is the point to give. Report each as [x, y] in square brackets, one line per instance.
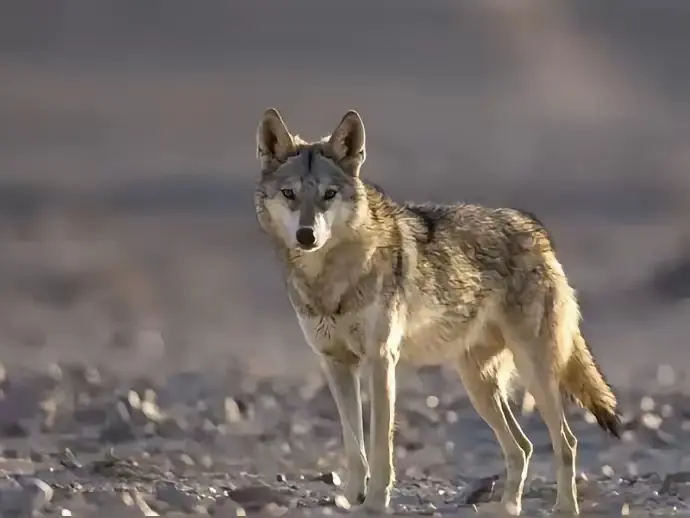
[585, 384]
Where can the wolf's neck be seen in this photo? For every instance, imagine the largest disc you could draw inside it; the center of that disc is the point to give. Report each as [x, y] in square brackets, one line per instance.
[348, 258]
[309, 265]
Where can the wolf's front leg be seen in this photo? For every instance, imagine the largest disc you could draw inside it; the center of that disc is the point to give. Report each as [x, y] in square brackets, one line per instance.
[382, 383]
[343, 380]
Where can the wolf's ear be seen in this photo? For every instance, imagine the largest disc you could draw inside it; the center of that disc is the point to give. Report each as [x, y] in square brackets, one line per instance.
[347, 143]
[273, 140]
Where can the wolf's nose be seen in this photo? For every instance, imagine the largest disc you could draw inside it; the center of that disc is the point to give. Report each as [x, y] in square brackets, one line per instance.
[306, 237]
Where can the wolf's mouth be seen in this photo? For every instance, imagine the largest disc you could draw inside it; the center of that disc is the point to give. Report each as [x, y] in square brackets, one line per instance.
[307, 248]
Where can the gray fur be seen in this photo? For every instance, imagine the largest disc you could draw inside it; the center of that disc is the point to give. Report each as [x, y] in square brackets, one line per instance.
[463, 284]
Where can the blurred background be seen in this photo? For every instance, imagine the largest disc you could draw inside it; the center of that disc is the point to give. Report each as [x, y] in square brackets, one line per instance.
[127, 161]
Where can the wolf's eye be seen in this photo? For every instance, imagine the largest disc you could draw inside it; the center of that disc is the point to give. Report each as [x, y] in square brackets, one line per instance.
[329, 194]
[288, 193]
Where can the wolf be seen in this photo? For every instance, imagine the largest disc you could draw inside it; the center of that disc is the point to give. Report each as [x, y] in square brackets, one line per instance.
[374, 281]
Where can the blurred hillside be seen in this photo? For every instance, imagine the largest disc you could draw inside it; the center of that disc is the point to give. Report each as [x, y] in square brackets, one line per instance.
[127, 160]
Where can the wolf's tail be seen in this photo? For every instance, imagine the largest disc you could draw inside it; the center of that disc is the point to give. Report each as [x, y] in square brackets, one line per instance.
[585, 384]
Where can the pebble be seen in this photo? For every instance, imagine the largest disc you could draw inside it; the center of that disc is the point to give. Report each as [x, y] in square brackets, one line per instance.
[68, 459]
[481, 490]
[233, 413]
[331, 478]
[651, 420]
[647, 404]
[528, 404]
[452, 417]
[341, 502]
[432, 401]
[607, 471]
[589, 417]
[666, 375]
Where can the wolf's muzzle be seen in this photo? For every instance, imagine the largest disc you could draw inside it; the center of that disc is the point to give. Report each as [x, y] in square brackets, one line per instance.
[306, 237]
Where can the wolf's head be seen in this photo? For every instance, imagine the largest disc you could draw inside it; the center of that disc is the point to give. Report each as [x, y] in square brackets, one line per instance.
[309, 193]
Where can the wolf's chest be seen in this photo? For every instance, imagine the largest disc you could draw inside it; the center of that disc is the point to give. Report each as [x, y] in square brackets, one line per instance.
[332, 294]
[320, 300]
[339, 336]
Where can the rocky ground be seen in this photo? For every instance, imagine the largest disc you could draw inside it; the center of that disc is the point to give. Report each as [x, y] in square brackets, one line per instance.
[77, 441]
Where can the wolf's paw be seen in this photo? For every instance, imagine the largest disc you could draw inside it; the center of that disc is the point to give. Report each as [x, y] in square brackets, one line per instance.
[356, 490]
[499, 509]
[373, 503]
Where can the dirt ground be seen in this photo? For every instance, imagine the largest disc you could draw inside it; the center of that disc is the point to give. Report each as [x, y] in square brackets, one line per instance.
[149, 356]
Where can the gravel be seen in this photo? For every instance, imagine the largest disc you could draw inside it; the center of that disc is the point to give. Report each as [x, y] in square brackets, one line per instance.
[76, 441]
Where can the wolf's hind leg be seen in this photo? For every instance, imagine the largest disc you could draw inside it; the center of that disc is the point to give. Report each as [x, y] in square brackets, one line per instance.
[480, 371]
[544, 387]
